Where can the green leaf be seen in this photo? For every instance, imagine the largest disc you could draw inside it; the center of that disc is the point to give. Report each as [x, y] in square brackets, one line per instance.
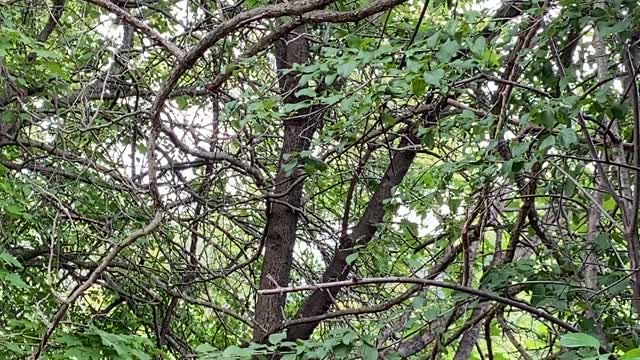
[564, 82]
[313, 165]
[56, 69]
[288, 108]
[598, 357]
[342, 351]
[418, 302]
[139, 354]
[347, 68]
[114, 341]
[205, 348]
[619, 111]
[519, 148]
[183, 102]
[567, 137]
[631, 355]
[277, 337]
[15, 280]
[447, 51]
[413, 64]
[451, 26]
[304, 79]
[235, 351]
[347, 104]
[141, 148]
[9, 259]
[306, 92]
[369, 352]
[14, 210]
[433, 40]
[351, 258]
[331, 100]
[15, 348]
[569, 188]
[507, 167]
[602, 241]
[433, 77]
[7, 116]
[548, 142]
[83, 353]
[330, 78]
[290, 166]
[47, 54]
[616, 28]
[575, 340]
[418, 86]
[547, 118]
[348, 337]
[478, 47]
[69, 340]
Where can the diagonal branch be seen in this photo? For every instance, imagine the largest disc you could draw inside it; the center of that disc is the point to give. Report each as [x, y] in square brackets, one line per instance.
[155, 222]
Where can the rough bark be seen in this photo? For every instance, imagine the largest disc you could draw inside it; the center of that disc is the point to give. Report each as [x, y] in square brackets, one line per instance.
[470, 337]
[283, 217]
[631, 230]
[590, 271]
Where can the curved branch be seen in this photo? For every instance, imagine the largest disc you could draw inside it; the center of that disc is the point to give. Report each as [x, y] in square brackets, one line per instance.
[301, 8]
[142, 27]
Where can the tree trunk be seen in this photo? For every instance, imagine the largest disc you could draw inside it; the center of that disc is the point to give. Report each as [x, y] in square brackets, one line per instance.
[283, 216]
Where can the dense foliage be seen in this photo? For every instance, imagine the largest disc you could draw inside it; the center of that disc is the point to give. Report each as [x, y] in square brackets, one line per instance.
[316, 179]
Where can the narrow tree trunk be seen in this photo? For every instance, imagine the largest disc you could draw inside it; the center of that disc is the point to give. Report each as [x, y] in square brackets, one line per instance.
[283, 217]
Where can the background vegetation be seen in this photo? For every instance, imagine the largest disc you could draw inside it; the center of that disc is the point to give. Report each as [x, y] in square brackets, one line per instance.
[317, 179]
